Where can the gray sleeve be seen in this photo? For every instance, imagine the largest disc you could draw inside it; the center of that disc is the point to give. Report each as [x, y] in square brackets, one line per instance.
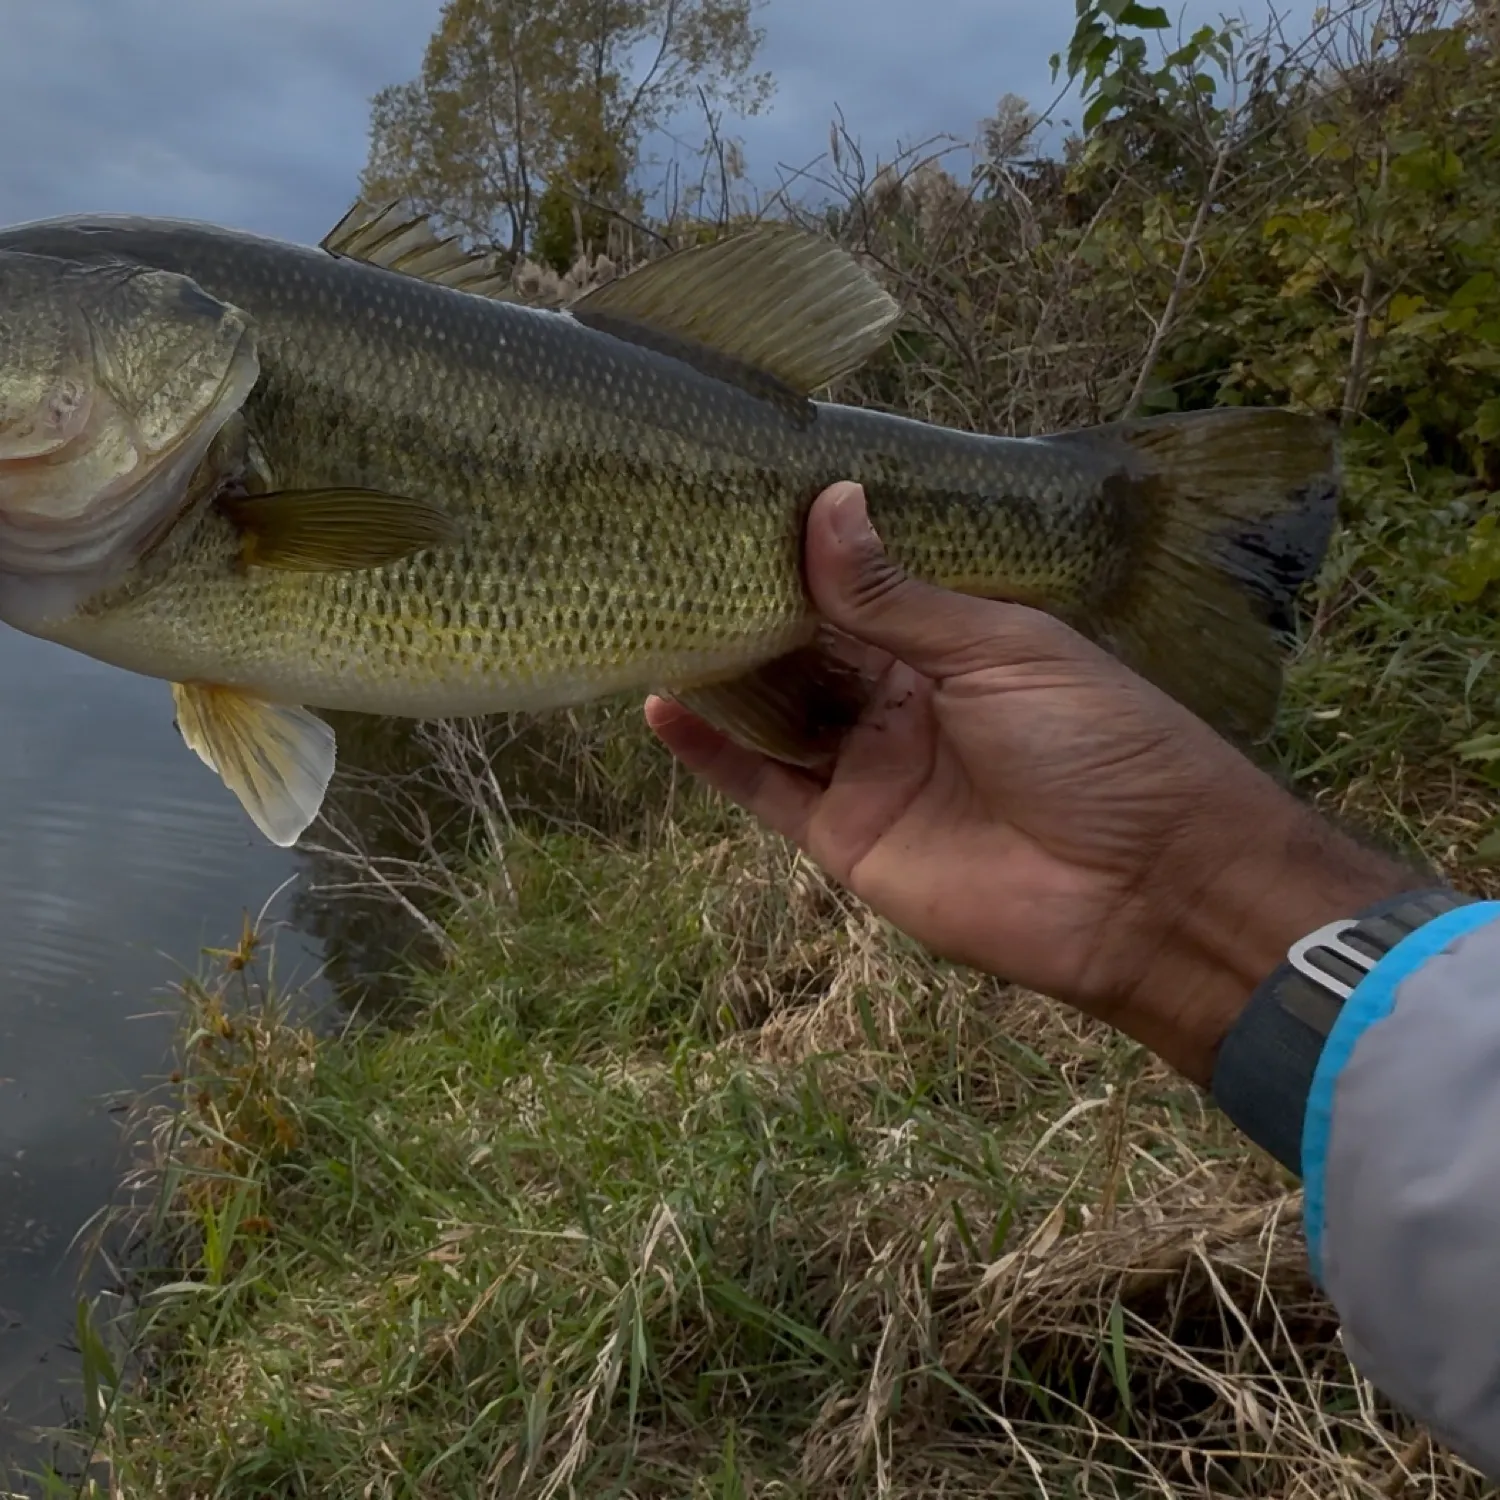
[1401, 1157]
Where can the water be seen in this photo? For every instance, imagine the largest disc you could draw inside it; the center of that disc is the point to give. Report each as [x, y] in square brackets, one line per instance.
[121, 857]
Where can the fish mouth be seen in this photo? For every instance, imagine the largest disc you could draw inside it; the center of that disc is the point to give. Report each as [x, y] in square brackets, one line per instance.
[51, 565]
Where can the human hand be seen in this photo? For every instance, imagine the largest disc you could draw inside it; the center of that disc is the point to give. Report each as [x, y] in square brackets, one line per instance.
[1017, 800]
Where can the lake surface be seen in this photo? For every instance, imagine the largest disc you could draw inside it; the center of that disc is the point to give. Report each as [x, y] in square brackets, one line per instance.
[121, 858]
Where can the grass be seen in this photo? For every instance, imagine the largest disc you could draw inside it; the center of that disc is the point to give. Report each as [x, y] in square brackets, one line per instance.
[1397, 678]
[584, 1231]
[683, 1175]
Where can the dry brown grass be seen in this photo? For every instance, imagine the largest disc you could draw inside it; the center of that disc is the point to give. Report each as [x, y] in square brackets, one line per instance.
[1010, 1254]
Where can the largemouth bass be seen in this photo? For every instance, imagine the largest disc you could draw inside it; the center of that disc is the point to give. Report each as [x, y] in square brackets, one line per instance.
[357, 476]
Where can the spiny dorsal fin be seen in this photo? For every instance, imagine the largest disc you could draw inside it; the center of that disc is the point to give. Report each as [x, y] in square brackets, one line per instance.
[797, 307]
[398, 240]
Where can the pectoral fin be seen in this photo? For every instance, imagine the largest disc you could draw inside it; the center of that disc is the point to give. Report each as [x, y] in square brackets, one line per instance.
[796, 709]
[277, 759]
[326, 531]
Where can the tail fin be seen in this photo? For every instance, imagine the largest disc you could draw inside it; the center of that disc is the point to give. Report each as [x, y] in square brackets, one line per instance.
[1241, 504]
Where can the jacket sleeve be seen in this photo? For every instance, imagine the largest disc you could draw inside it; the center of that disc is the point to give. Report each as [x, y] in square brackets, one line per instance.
[1401, 1166]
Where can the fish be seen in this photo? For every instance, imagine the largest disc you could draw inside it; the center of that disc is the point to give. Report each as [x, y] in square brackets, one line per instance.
[362, 475]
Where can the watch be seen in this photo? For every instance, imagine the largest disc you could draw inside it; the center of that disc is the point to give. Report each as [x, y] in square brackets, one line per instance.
[1264, 1070]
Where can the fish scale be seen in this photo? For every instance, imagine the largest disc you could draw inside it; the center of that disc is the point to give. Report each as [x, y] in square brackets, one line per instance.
[624, 488]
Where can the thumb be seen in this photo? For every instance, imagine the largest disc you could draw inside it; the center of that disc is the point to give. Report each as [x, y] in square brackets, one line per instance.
[857, 587]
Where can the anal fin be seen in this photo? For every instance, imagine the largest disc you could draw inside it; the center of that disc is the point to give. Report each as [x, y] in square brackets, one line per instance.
[796, 708]
[276, 758]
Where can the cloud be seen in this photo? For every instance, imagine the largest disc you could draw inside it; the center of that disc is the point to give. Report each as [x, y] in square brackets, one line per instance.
[254, 113]
[250, 114]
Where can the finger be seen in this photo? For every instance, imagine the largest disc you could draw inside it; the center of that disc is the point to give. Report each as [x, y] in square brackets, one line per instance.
[885, 761]
[893, 740]
[871, 662]
[942, 634]
[782, 798]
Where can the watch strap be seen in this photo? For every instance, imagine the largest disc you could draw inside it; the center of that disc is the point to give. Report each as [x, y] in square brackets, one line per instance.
[1264, 1070]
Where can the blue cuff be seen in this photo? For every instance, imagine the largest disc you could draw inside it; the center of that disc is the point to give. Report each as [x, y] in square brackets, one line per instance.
[1373, 1000]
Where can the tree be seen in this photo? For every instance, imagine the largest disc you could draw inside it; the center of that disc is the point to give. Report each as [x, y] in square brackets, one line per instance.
[531, 110]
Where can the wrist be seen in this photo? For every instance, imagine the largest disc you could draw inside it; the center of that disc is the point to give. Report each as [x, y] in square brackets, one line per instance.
[1244, 887]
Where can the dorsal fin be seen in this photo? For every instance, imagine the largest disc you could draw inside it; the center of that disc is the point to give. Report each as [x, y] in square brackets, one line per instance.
[714, 363]
[398, 240]
[777, 300]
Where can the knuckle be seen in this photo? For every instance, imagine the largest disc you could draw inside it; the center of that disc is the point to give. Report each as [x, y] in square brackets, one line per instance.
[876, 585]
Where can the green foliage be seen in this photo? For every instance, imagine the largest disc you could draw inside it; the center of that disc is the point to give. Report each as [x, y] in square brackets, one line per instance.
[1115, 70]
[525, 107]
[1377, 293]
[1348, 263]
[1479, 566]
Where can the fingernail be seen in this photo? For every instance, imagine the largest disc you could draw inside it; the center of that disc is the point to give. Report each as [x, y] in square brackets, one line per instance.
[850, 519]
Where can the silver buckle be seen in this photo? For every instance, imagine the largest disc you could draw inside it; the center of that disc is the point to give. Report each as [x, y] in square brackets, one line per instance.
[1329, 937]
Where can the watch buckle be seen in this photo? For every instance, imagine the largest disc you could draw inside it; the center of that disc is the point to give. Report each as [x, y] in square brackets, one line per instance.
[1331, 939]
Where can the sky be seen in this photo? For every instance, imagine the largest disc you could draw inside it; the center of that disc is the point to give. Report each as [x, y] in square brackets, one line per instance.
[254, 113]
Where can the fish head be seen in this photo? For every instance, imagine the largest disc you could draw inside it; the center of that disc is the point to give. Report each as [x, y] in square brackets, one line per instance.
[115, 380]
